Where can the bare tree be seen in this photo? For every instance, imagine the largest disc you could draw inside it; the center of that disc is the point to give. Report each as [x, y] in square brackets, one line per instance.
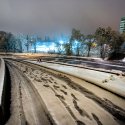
[76, 36]
[90, 42]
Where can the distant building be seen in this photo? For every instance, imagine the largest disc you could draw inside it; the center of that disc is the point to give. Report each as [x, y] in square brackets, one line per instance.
[122, 25]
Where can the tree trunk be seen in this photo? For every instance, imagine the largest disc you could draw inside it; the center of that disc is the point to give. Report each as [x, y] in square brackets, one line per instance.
[101, 51]
[34, 47]
[89, 48]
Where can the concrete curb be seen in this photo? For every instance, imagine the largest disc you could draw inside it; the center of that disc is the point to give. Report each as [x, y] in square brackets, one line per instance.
[2, 78]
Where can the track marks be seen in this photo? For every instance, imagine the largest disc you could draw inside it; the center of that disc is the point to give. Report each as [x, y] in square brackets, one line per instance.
[65, 89]
[96, 119]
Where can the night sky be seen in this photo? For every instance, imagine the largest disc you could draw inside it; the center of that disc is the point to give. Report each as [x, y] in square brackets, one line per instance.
[59, 16]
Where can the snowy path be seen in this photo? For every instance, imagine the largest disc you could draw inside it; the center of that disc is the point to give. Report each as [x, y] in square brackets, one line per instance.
[66, 99]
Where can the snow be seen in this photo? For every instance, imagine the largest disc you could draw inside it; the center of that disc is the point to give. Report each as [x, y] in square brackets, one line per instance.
[51, 88]
[123, 60]
[113, 83]
[54, 106]
[2, 73]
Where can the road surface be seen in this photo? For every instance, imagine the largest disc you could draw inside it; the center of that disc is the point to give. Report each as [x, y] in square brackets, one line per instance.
[42, 96]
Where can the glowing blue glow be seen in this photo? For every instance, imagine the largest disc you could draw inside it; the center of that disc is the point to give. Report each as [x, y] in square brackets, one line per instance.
[46, 48]
[61, 42]
[52, 47]
[76, 42]
[42, 48]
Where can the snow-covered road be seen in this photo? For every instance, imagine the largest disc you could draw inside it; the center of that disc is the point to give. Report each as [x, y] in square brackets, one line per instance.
[64, 98]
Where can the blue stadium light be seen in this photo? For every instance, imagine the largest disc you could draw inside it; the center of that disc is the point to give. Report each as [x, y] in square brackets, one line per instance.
[61, 42]
[76, 42]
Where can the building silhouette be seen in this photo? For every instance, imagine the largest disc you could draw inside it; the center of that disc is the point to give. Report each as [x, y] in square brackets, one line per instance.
[122, 25]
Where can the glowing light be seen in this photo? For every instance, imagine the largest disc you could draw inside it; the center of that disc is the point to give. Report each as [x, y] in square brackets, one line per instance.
[42, 48]
[76, 42]
[46, 48]
[61, 42]
[94, 44]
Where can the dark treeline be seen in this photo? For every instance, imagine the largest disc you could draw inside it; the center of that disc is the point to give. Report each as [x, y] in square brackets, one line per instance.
[9, 43]
[105, 42]
[13, 43]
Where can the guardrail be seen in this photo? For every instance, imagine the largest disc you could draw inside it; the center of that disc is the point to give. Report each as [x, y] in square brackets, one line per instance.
[2, 80]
